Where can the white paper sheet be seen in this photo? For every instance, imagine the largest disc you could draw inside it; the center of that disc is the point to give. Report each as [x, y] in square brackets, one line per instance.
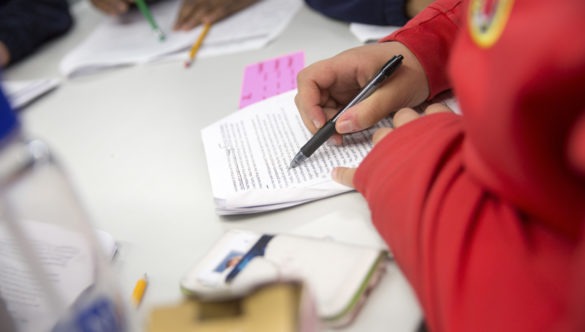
[249, 152]
[127, 40]
[22, 93]
[367, 33]
[67, 260]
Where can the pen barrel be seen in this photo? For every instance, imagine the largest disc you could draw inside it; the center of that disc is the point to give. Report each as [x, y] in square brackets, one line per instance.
[319, 138]
[143, 7]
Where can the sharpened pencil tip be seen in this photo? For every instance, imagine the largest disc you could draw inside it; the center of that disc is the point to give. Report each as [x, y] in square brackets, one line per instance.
[187, 64]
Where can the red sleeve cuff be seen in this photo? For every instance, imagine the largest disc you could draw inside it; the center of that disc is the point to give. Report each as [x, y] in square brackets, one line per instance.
[430, 36]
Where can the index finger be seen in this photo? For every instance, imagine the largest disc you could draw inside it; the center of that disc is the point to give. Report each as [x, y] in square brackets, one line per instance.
[188, 16]
[310, 97]
[111, 7]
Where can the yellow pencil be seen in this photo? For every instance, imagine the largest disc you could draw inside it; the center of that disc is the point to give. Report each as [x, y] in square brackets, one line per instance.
[197, 44]
[139, 290]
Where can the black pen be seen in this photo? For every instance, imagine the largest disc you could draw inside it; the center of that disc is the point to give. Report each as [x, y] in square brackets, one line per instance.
[325, 132]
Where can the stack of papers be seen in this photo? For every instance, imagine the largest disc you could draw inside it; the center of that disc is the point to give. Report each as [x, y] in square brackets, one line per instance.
[249, 152]
[128, 40]
[66, 258]
[22, 93]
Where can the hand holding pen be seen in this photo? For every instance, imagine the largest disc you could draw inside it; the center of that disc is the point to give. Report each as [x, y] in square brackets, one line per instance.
[120, 7]
[327, 86]
[325, 132]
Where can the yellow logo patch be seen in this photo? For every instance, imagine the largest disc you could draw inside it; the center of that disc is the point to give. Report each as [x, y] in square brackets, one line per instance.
[487, 19]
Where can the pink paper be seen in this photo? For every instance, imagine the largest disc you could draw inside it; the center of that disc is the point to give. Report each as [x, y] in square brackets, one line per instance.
[271, 77]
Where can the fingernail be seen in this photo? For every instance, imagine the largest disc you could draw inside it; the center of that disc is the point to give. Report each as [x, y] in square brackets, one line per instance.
[344, 127]
[317, 124]
[335, 141]
[334, 174]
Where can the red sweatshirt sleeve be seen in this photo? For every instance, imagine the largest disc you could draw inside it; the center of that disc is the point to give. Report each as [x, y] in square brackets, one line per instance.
[469, 255]
[433, 29]
[484, 212]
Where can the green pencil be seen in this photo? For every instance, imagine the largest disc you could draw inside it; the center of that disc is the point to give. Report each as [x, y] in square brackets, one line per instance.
[148, 15]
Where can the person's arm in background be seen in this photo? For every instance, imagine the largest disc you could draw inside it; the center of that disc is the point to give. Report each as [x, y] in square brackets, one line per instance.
[376, 12]
[196, 12]
[27, 24]
[113, 7]
[4, 55]
[191, 13]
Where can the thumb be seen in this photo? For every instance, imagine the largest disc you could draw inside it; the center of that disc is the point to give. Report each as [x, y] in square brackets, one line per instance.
[344, 175]
[360, 117]
[380, 134]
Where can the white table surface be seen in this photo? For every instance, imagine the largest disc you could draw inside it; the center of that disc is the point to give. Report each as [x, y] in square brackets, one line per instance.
[130, 140]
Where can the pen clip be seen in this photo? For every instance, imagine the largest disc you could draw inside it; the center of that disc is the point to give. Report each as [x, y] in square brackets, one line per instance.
[257, 249]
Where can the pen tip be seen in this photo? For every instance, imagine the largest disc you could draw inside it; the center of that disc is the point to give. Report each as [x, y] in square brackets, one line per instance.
[161, 35]
[297, 160]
